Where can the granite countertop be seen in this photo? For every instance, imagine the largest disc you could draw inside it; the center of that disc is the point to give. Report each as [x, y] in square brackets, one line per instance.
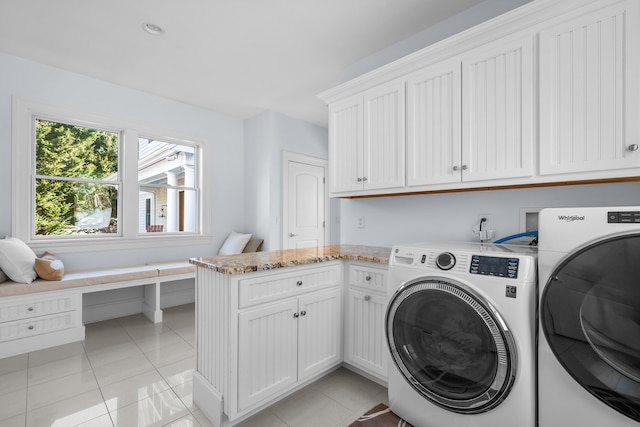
[246, 263]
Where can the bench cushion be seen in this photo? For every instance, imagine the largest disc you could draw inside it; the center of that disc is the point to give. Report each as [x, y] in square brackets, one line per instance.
[177, 267]
[80, 278]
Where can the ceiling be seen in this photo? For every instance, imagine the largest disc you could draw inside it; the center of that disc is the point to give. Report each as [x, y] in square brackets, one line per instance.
[235, 57]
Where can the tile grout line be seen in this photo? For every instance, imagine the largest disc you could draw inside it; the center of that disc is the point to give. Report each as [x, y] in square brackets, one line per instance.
[156, 367]
[93, 371]
[26, 390]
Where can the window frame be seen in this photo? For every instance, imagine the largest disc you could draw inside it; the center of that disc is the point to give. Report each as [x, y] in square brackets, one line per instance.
[25, 112]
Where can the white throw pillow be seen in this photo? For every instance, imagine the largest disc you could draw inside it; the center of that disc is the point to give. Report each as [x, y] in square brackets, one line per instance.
[17, 260]
[234, 244]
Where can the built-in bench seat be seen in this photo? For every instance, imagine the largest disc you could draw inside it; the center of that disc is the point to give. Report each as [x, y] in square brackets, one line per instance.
[110, 276]
[46, 313]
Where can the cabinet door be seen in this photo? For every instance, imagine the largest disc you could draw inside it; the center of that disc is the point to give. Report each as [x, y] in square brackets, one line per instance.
[589, 95]
[497, 110]
[345, 146]
[384, 137]
[320, 332]
[366, 346]
[267, 352]
[434, 125]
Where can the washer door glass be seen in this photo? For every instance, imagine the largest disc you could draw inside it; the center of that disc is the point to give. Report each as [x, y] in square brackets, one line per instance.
[451, 345]
[590, 315]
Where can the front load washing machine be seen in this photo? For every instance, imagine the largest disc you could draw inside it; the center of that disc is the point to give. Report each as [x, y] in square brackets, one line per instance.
[460, 328]
[589, 345]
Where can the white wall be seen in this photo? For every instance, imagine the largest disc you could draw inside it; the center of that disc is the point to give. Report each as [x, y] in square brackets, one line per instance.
[452, 216]
[267, 135]
[224, 135]
[475, 15]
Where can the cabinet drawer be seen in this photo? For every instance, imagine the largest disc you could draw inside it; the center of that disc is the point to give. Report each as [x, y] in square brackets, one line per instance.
[371, 278]
[25, 308]
[38, 325]
[271, 287]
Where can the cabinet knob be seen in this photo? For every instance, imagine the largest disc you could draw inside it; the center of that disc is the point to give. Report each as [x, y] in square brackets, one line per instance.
[364, 178]
[456, 168]
[296, 315]
[359, 179]
[30, 327]
[299, 283]
[367, 297]
[633, 147]
[465, 167]
[303, 313]
[30, 309]
[368, 278]
[292, 235]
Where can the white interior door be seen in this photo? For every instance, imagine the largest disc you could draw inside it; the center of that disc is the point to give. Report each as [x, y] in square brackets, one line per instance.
[305, 203]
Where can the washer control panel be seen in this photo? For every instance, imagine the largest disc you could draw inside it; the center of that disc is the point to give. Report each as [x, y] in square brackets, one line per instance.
[623, 217]
[494, 266]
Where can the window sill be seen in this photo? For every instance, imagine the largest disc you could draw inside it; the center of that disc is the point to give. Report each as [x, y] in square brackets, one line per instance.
[117, 243]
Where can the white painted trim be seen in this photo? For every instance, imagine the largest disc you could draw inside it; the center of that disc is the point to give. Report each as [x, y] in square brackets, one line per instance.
[288, 156]
[209, 400]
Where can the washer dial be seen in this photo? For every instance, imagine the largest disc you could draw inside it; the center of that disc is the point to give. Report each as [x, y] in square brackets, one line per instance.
[446, 261]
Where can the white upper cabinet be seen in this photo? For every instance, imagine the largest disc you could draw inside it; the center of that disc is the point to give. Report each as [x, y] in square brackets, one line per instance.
[434, 137]
[471, 118]
[384, 137]
[346, 146]
[497, 110]
[589, 92]
[544, 94]
[366, 141]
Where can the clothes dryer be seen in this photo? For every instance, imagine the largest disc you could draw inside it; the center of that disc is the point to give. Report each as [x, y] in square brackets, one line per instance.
[589, 345]
[460, 328]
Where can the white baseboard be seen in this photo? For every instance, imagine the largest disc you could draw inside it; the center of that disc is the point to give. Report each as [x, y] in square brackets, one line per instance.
[113, 304]
[209, 400]
[173, 299]
[111, 310]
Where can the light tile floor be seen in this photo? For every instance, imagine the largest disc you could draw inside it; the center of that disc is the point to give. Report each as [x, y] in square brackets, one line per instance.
[131, 372]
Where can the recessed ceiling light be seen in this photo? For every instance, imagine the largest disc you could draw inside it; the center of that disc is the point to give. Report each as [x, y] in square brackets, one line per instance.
[152, 29]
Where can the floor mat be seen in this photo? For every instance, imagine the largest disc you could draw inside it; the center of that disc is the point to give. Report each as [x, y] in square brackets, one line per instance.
[380, 416]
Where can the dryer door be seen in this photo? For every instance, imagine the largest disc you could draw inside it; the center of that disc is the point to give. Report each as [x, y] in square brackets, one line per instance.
[451, 345]
[590, 315]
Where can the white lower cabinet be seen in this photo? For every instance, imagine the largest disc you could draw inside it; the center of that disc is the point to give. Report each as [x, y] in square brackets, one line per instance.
[33, 322]
[265, 334]
[286, 342]
[267, 352]
[365, 341]
[260, 335]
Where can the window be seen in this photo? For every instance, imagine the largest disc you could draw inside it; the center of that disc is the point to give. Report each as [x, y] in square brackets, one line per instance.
[81, 179]
[76, 179]
[168, 195]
